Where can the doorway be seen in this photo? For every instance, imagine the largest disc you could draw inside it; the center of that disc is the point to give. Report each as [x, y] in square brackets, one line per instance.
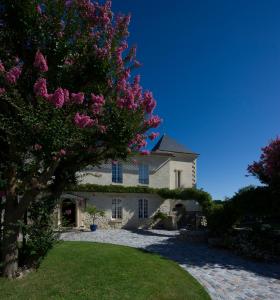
[68, 213]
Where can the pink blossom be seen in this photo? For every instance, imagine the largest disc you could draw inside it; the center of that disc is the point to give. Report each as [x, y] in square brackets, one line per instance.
[13, 75]
[40, 62]
[149, 102]
[40, 88]
[102, 128]
[98, 102]
[66, 95]
[78, 97]
[139, 141]
[2, 91]
[62, 152]
[153, 135]
[2, 68]
[83, 121]
[38, 147]
[153, 122]
[58, 98]
[69, 61]
[145, 152]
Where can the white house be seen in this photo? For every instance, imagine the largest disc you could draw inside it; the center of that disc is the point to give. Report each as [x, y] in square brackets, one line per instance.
[170, 165]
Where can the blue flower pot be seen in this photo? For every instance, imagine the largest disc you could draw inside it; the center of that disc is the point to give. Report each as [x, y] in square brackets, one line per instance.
[93, 227]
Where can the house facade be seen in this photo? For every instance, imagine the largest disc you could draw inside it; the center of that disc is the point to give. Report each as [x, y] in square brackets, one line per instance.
[170, 165]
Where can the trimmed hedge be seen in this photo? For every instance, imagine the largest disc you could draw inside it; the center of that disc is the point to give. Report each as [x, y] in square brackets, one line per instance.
[202, 197]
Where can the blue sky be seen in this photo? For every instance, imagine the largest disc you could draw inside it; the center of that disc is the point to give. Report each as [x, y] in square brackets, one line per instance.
[214, 68]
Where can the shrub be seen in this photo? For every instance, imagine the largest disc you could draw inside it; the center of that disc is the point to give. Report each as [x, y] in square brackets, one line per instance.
[159, 215]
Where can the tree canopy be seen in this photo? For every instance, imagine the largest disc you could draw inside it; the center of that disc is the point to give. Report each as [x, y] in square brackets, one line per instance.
[67, 97]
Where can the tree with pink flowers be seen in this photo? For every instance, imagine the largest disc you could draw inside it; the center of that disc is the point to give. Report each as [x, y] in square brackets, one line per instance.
[267, 169]
[68, 99]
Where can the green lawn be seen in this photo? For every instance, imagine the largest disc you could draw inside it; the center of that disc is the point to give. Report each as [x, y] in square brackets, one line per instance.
[81, 270]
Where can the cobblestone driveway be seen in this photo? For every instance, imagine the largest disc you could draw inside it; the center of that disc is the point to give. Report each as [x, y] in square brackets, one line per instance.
[224, 275]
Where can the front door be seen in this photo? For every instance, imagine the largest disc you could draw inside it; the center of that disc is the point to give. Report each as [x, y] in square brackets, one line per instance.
[68, 213]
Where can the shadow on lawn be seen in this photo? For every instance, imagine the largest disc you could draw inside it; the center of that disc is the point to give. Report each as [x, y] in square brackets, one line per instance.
[200, 255]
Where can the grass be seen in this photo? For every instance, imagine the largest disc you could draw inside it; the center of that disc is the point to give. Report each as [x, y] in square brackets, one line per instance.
[82, 270]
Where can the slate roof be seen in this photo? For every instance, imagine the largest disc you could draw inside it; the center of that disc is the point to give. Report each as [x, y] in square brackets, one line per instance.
[168, 144]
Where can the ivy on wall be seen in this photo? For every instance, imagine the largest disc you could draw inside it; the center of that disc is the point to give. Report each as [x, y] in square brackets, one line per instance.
[202, 197]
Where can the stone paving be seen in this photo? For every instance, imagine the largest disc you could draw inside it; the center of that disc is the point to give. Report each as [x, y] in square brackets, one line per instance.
[224, 275]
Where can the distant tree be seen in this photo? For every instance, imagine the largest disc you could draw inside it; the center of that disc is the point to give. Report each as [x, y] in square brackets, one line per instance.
[67, 100]
[267, 169]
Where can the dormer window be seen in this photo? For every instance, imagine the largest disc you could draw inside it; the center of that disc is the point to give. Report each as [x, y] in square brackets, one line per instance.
[178, 178]
[144, 174]
[117, 172]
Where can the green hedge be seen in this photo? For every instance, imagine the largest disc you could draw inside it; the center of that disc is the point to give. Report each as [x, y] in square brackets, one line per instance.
[202, 197]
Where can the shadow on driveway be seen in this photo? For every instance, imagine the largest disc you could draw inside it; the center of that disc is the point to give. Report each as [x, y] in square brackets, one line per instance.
[202, 256]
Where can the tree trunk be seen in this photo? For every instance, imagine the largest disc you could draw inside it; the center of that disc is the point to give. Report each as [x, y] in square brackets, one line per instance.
[10, 236]
[10, 251]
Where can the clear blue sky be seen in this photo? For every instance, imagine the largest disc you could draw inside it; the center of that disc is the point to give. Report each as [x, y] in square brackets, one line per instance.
[214, 68]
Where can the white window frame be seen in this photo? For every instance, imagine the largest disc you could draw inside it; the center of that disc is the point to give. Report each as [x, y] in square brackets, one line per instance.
[143, 209]
[143, 173]
[117, 212]
[117, 172]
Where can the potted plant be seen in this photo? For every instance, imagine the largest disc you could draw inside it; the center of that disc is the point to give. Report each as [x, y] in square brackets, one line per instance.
[94, 213]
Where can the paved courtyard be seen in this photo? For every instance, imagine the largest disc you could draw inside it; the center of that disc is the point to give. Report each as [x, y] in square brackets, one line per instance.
[224, 275]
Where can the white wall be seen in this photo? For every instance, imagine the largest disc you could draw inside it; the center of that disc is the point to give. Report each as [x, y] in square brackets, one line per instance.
[161, 168]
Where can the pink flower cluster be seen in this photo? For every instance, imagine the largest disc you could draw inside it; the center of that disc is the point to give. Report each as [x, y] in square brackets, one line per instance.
[78, 97]
[153, 122]
[149, 102]
[38, 147]
[12, 75]
[58, 98]
[98, 102]
[2, 91]
[2, 68]
[40, 62]
[40, 88]
[153, 135]
[267, 169]
[83, 121]
[138, 142]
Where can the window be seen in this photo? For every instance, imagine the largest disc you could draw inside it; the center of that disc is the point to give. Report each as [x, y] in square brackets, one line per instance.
[143, 208]
[178, 178]
[116, 209]
[117, 172]
[143, 174]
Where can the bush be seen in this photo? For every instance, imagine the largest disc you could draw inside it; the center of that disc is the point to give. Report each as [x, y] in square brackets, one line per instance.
[159, 215]
[258, 243]
[39, 236]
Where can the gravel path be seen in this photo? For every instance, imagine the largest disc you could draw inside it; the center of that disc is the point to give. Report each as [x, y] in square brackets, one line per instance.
[224, 275]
